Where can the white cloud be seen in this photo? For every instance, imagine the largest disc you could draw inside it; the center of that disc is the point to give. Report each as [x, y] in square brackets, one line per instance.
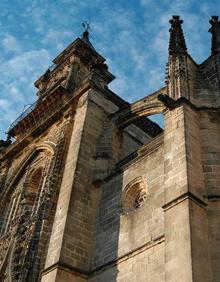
[10, 44]
[133, 36]
[17, 77]
[4, 104]
[156, 78]
[56, 37]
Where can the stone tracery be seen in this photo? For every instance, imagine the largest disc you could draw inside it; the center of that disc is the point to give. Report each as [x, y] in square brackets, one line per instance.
[134, 195]
[20, 214]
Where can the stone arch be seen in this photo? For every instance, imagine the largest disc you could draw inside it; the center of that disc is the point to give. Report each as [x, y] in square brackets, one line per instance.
[43, 146]
[46, 146]
[24, 186]
[134, 195]
[27, 203]
[147, 106]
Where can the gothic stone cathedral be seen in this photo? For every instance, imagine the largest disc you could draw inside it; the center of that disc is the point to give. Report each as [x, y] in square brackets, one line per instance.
[92, 190]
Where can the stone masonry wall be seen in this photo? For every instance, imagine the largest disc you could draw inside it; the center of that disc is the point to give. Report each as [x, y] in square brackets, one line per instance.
[141, 266]
[123, 243]
[211, 68]
[133, 138]
[186, 222]
[71, 238]
[210, 140]
[59, 224]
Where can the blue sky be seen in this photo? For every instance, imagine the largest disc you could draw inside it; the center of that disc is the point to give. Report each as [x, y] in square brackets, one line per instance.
[131, 34]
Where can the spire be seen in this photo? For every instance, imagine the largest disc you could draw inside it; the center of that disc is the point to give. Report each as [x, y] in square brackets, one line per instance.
[177, 43]
[215, 31]
[177, 68]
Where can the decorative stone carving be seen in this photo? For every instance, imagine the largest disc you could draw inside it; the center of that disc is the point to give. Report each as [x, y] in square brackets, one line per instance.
[4, 245]
[215, 31]
[28, 211]
[177, 67]
[134, 195]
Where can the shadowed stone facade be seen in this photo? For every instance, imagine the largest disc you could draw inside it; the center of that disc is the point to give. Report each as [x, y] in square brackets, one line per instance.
[92, 190]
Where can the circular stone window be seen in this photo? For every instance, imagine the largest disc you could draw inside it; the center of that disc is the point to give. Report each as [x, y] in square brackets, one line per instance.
[134, 195]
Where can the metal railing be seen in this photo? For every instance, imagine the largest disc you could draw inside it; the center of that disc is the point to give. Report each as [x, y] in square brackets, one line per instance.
[33, 106]
[34, 119]
[23, 115]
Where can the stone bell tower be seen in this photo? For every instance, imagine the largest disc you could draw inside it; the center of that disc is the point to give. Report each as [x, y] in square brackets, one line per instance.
[92, 190]
[45, 172]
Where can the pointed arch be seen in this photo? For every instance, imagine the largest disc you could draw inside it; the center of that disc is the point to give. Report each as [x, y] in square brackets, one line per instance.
[46, 146]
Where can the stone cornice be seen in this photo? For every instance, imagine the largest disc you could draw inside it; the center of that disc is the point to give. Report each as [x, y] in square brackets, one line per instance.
[183, 197]
[173, 104]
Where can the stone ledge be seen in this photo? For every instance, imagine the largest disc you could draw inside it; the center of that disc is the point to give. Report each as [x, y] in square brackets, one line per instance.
[65, 267]
[213, 198]
[183, 197]
[86, 274]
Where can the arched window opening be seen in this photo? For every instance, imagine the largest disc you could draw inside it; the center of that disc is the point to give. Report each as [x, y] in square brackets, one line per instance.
[33, 185]
[141, 132]
[158, 119]
[26, 190]
[35, 180]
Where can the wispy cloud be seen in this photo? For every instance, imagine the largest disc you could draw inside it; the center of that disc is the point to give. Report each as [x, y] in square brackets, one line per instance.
[58, 37]
[17, 77]
[10, 44]
[132, 35]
